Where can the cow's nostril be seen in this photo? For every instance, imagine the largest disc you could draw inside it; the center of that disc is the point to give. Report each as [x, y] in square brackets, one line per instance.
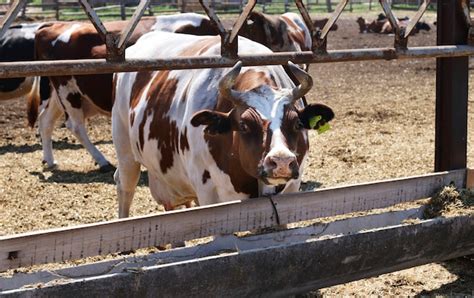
[293, 164]
[271, 163]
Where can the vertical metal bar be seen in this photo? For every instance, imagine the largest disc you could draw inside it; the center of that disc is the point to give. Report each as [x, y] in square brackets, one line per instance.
[317, 43]
[10, 15]
[451, 90]
[228, 49]
[328, 5]
[150, 9]
[56, 9]
[241, 20]
[416, 18]
[128, 30]
[332, 20]
[390, 16]
[400, 41]
[213, 17]
[123, 14]
[94, 19]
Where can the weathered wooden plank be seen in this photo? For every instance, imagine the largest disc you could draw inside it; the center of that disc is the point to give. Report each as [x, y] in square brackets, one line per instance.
[226, 243]
[177, 226]
[284, 270]
[361, 197]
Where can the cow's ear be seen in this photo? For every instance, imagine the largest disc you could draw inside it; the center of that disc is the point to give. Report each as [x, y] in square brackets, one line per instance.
[216, 122]
[316, 116]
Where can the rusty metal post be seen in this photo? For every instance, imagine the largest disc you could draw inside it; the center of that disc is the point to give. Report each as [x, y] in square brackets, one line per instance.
[451, 90]
[113, 52]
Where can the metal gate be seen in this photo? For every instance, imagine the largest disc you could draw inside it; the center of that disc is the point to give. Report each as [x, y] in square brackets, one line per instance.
[452, 51]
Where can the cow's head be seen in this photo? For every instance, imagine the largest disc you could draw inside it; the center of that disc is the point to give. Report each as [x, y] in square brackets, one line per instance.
[266, 125]
[263, 29]
[422, 26]
[362, 24]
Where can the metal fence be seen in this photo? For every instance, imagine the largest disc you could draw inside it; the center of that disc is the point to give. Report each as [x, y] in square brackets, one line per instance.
[71, 10]
[454, 31]
[453, 35]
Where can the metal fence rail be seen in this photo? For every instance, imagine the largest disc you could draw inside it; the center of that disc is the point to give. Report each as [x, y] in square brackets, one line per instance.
[319, 37]
[116, 49]
[452, 82]
[94, 66]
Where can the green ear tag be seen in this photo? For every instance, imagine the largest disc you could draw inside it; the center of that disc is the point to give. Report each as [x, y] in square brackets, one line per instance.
[323, 128]
[313, 121]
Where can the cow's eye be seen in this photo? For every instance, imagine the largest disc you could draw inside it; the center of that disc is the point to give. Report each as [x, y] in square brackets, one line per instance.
[243, 127]
[298, 125]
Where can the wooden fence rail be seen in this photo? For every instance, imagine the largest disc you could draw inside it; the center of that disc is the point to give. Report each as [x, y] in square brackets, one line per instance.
[177, 226]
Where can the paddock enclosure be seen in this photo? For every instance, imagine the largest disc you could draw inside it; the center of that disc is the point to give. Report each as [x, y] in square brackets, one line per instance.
[385, 128]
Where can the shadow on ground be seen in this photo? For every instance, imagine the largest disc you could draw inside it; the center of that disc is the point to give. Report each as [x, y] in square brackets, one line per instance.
[59, 145]
[74, 177]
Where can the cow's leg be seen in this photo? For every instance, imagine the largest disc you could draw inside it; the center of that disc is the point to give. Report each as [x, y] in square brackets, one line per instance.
[76, 124]
[74, 104]
[48, 116]
[128, 170]
[126, 177]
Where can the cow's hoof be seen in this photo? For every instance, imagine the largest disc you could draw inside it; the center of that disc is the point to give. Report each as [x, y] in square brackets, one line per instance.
[49, 167]
[107, 168]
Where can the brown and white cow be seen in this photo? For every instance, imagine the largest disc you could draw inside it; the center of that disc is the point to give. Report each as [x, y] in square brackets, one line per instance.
[383, 26]
[81, 97]
[209, 135]
[280, 33]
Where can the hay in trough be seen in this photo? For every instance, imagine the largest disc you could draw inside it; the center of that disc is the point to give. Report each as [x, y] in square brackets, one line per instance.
[450, 200]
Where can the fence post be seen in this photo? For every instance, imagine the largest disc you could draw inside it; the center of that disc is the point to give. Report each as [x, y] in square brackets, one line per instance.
[23, 10]
[286, 6]
[328, 4]
[350, 5]
[123, 15]
[370, 4]
[56, 9]
[451, 90]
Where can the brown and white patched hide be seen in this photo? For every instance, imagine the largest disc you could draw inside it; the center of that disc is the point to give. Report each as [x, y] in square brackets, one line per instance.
[197, 143]
[82, 97]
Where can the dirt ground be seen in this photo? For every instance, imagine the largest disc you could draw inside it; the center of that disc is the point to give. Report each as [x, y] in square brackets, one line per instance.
[384, 128]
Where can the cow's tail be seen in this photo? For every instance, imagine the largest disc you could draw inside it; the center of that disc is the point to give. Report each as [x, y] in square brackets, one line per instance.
[33, 102]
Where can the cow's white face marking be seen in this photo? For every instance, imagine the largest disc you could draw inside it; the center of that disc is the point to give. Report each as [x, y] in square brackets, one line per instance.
[66, 35]
[270, 104]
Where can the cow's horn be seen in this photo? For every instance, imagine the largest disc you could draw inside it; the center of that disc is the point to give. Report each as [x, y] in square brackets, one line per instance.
[306, 82]
[226, 83]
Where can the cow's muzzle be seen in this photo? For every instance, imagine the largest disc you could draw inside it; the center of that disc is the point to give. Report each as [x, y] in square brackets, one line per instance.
[278, 170]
